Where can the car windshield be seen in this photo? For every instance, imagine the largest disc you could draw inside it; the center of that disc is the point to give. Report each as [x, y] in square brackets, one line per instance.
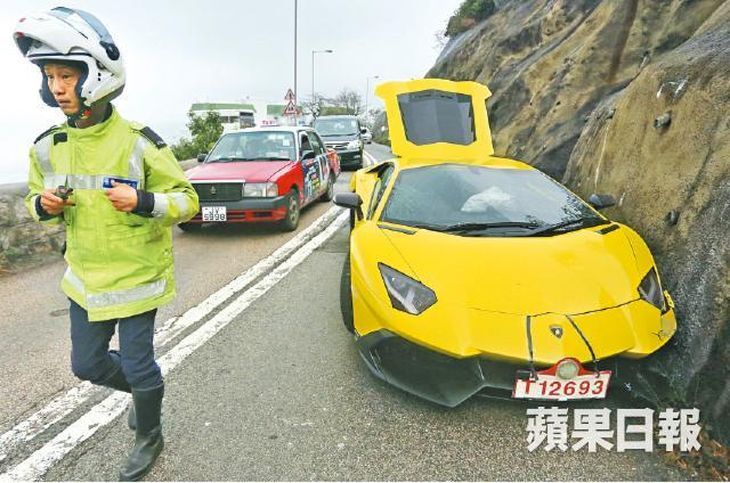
[254, 146]
[336, 127]
[484, 201]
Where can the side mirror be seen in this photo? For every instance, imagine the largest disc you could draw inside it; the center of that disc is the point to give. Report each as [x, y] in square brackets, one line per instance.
[201, 157]
[308, 154]
[601, 201]
[363, 131]
[351, 201]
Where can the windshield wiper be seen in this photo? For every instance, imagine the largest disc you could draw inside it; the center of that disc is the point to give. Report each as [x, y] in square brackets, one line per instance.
[222, 159]
[583, 222]
[466, 227]
[273, 158]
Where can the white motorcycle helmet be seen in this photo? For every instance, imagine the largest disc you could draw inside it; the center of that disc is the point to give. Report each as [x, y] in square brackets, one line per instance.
[67, 35]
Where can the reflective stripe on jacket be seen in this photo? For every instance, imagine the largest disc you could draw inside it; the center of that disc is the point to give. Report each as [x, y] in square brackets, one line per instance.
[119, 264]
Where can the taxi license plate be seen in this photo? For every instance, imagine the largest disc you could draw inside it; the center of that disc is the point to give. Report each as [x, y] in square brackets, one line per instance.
[214, 213]
[589, 386]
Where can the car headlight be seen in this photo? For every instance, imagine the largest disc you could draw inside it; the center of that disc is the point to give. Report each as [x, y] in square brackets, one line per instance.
[651, 291]
[406, 294]
[260, 190]
[354, 144]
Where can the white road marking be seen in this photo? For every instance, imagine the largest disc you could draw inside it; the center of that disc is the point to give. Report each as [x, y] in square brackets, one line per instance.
[37, 464]
[66, 403]
[370, 158]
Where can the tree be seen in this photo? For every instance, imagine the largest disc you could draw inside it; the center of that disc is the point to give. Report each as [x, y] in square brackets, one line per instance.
[315, 105]
[350, 100]
[334, 111]
[205, 131]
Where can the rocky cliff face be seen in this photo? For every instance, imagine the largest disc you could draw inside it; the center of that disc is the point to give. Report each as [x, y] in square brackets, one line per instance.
[630, 98]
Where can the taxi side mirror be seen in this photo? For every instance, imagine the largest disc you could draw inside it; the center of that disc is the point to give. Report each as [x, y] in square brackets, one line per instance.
[351, 201]
[201, 157]
[601, 201]
[308, 154]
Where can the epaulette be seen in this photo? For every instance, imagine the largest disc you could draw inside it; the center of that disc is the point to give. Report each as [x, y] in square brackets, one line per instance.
[151, 136]
[45, 133]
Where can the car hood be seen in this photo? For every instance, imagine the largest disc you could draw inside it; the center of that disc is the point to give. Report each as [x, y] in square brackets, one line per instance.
[250, 171]
[571, 273]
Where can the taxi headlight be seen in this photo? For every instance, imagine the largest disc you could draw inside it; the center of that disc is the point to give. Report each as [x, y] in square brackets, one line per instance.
[567, 369]
[650, 289]
[406, 294]
[354, 144]
[260, 190]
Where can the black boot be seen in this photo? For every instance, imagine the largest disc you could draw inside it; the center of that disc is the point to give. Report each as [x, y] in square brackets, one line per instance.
[148, 441]
[118, 382]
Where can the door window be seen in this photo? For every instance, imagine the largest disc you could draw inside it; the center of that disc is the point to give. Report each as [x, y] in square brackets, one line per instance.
[380, 185]
[316, 144]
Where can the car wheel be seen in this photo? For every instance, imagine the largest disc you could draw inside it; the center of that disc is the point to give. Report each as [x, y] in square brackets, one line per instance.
[291, 219]
[190, 227]
[330, 193]
[346, 297]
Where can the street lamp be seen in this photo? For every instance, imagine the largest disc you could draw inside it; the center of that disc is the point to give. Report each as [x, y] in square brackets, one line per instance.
[328, 51]
[367, 93]
[296, 93]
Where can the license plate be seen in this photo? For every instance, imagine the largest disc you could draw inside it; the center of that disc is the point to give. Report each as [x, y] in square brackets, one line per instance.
[214, 213]
[546, 386]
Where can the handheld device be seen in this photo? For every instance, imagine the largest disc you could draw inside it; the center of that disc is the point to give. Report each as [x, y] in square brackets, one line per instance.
[63, 192]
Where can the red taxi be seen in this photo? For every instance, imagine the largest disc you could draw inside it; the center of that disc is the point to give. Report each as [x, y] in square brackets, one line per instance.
[263, 174]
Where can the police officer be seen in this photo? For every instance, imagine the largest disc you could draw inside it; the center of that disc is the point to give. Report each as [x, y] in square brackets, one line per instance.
[118, 189]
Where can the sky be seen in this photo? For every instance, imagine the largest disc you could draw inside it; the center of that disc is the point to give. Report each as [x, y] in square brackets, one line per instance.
[178, 52]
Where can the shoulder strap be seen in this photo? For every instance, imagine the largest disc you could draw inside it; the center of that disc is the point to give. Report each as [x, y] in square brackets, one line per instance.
[151, 136]
[45, 133]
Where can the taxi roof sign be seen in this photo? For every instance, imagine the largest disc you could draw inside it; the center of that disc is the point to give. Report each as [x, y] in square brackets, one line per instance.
[437, 118]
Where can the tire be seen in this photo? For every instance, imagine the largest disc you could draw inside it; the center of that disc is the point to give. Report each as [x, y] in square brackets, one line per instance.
[346, 297]
[330, 193]
[291, 219]
[190, 227]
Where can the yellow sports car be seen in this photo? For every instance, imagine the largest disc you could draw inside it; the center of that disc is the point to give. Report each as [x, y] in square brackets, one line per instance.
[471, 273]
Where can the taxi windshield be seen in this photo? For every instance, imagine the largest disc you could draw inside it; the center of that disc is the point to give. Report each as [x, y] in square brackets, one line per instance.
[336, 127]
[254, 146]
[484, 201]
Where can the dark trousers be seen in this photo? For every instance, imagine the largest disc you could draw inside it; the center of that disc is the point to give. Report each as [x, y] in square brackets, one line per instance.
[92, 361]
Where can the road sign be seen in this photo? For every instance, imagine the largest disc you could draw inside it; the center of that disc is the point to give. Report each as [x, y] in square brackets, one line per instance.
[290, 109]
[289, 95]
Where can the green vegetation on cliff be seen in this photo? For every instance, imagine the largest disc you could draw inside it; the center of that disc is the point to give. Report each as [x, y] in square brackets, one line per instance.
[469, 13]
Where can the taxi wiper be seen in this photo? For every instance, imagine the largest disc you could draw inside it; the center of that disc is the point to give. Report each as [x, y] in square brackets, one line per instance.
[583, 222]
[224, 159]
[273, 158]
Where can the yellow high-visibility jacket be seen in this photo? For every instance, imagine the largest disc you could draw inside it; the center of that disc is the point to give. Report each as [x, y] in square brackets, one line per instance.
[119, 264]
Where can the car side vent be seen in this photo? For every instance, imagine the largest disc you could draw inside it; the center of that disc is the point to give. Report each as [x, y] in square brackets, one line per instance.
[608, 229]
[396, 229]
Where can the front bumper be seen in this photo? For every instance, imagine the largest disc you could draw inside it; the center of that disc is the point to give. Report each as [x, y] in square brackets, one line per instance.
[449, 381]
[247, 210]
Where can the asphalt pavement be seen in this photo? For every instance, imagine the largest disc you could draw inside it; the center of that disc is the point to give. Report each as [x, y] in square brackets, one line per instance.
[281, 394]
